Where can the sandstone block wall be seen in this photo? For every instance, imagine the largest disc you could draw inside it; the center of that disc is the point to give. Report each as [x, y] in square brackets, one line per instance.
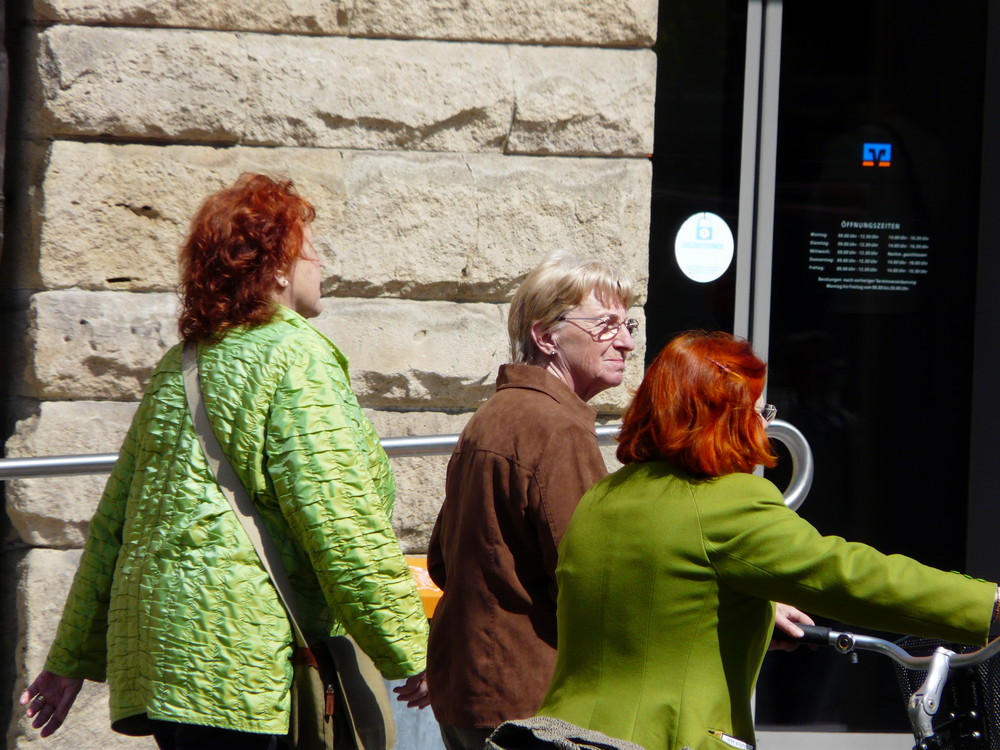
[447, 146]
[611, 23]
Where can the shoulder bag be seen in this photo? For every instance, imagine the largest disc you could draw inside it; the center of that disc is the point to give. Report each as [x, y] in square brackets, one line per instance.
[339, 699]
[548, 733]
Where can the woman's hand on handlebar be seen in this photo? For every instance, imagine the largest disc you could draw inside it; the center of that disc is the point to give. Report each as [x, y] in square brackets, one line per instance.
[786, 632]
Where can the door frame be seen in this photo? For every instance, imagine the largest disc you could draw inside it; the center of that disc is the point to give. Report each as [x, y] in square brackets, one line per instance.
[754, 256]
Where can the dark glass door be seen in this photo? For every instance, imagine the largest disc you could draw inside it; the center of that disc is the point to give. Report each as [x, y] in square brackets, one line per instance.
[872, 306]
[696, 164]
[873, 298]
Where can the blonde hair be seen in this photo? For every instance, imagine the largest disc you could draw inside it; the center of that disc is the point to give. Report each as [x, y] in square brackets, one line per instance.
[556, 285]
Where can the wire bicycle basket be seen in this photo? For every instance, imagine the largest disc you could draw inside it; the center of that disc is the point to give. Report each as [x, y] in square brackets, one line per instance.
[969, 711]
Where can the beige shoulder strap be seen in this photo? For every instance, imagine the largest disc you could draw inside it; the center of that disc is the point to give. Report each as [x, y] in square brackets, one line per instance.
[234, 490]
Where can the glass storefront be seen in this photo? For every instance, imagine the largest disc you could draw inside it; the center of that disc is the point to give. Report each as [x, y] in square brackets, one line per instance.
[874, 293]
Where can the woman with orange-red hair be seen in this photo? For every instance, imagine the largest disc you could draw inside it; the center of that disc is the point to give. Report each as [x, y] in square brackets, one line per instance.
[669, 568]
[171, 604]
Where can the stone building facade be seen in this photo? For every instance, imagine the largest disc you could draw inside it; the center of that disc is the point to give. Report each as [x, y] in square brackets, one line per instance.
[446, 144]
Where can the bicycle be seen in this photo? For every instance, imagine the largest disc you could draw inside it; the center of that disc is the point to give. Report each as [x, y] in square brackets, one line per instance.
[970, 723]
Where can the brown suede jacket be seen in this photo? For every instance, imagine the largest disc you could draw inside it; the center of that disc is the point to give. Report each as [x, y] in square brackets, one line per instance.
[521, 466]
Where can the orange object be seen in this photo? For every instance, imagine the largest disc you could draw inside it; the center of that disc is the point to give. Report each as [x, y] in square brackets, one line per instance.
[429, 592]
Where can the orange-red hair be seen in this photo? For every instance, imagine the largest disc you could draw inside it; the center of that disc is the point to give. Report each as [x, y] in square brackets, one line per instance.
[695, 408]
[241, 238]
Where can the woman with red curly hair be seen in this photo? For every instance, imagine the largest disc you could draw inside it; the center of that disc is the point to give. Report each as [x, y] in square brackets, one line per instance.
[669, 568]
[171, 604]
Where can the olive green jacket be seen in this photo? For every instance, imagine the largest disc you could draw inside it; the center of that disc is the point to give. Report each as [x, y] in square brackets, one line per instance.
[665, 600]
[170, 603]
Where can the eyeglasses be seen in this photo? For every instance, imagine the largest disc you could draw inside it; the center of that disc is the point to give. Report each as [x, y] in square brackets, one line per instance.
[768, 412]
[607, 326]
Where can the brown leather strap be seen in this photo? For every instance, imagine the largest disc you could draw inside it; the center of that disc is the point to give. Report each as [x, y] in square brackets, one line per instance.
[304, 657]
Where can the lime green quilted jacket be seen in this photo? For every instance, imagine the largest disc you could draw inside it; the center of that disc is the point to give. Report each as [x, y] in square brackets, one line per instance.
[170, 603]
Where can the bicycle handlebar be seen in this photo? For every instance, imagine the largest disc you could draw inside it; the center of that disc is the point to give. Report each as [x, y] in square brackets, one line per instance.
[924, 702]
[815, 634]
[846, 642]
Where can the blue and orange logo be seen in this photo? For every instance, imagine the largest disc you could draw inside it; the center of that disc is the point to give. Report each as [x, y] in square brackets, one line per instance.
[876, 155]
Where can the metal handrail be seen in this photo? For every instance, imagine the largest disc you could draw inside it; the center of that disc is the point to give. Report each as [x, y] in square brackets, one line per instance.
[802, 461]
[408, 447]
[56, 466]
[102, 463]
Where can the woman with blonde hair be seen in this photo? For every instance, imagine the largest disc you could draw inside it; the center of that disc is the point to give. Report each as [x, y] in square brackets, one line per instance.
[521, 465]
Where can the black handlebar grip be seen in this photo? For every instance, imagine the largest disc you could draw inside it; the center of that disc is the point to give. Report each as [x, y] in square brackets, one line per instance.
[814, 634]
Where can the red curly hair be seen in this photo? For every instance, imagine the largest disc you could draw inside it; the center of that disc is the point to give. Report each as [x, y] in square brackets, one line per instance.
[241, 238]
[695, 408]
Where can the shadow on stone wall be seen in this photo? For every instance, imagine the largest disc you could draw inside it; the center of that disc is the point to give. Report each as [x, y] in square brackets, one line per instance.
[12, 332]
[9, 559]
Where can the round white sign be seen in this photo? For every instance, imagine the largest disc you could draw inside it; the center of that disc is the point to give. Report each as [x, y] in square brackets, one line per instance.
[704, 247]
